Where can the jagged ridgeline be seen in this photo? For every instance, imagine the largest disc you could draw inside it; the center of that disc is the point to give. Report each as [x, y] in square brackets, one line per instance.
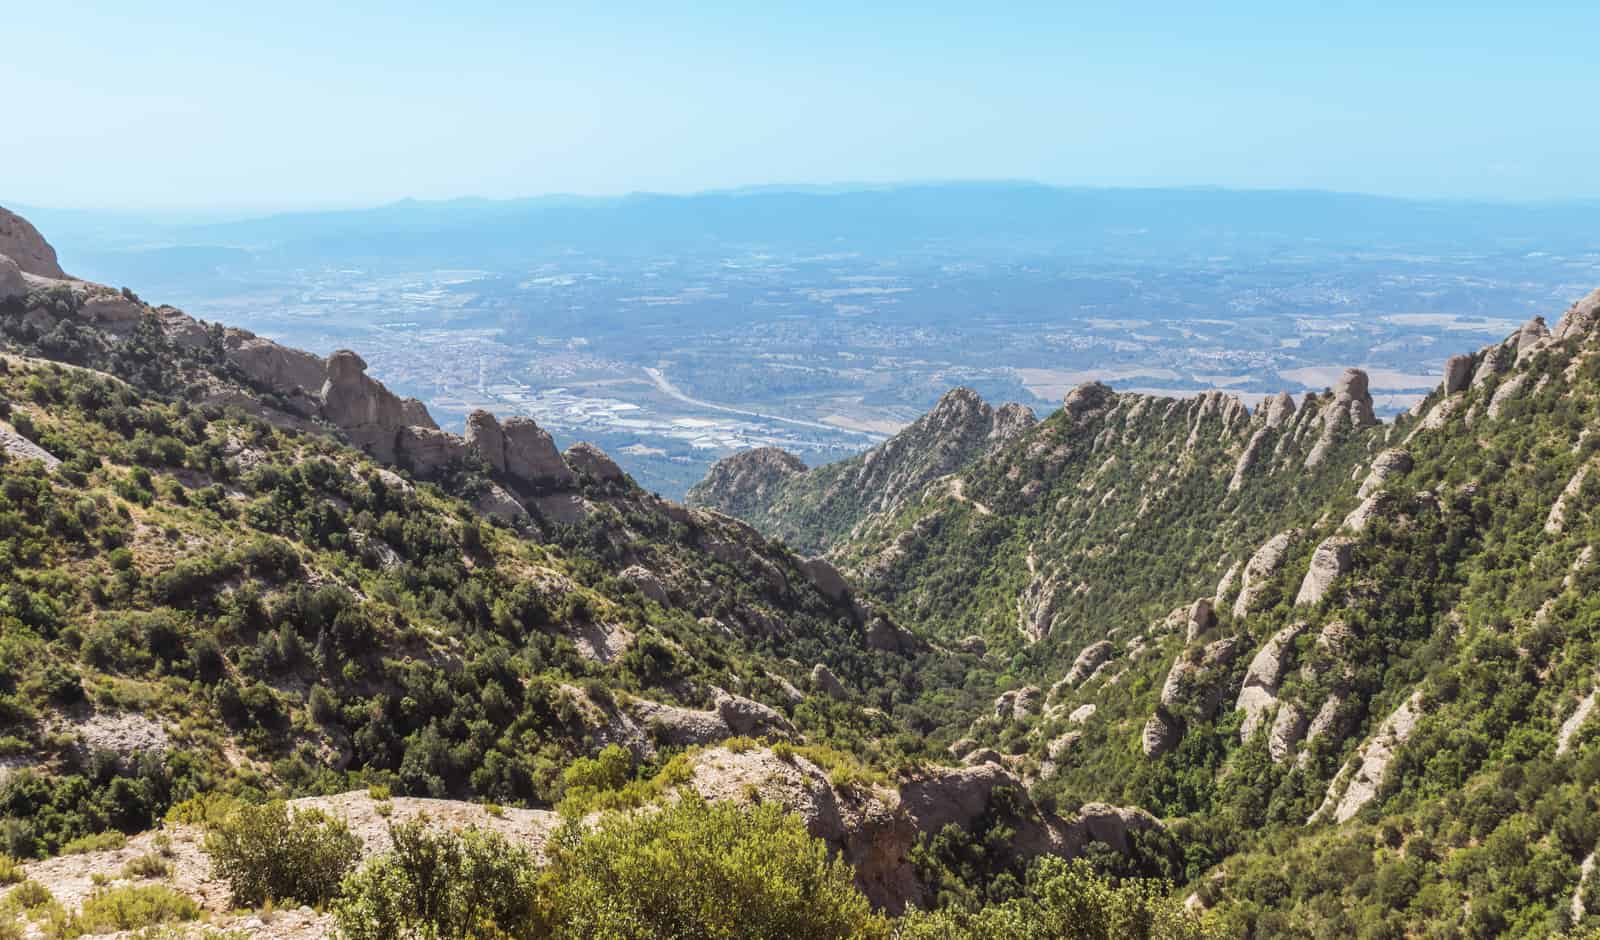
[233, 570]
[1351, 662]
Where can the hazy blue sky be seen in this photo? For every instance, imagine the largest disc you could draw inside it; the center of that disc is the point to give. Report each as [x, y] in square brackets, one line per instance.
[166, 103]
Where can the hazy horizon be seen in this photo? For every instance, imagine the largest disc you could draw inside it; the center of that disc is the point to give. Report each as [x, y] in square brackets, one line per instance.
[184, 106]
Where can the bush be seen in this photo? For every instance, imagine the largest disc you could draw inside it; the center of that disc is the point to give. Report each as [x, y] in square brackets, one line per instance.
[271, 851]
[698, 870]
[473, 886]
[1069, 900]
[130, 907]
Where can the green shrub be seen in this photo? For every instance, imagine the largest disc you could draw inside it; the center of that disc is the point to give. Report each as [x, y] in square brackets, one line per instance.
[149, 865]
[1067, 899]
[99, 842]
[473, 886]
[699, 870]
[131, 907]
[10, 870]
[272, 852]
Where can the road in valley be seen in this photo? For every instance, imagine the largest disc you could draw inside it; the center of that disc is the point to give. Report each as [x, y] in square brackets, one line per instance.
[666, 387]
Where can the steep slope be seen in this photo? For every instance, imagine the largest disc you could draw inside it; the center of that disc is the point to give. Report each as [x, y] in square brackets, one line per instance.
[1329, 645]
[230, 566]
[811, 510]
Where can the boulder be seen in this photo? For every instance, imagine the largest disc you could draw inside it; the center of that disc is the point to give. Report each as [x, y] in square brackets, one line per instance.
[1161, 733]
[1376, 756]
[23, 244]
[1330, 560]
[428, 451]
[13, 287]
[1391, 463]
[1556, 521]
[749, 717]
[1082, 713]
[1579, 318]
[646, 581]
[826, 577]
[884, 636]
[974, 645]
[1457, 374]
[1090, 659]
[531, 455]
[1350, 408]
[1262, 678]
[824, 681]
[1287, 729]
[1261, 566]
[351, 399]
[983, 755]
[587, 460]
[1201, 618]
[486, 439]
[1087, 399]
[1058, 748]
[961, 747]
[1532, 337]
[415, 414]
[268, 364]
[112, 311]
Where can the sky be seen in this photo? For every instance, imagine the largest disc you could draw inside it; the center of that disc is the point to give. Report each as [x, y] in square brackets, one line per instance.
[172, 104]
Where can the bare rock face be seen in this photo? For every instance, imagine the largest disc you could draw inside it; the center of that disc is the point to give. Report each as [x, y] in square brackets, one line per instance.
[351, 399]
[113, 311]
[1492, 361]
[1262, 678]
[1509, 390]
[1161, 734]
[1580, 318]
[1011, 421]
[415, 414]
[1287, 729]
[746, 481]
[1201, 618]
[884, 636]
[1532, 337]
[1261, 566]
[1351, 408]
[17, 447]
[1093, 657]
[1226, 584]
[1036, 608]
[1193, 684]
[1328, 562]
[1391, 463]
[1088, 399]
[23, 244]
[486, 439]
[1375, 759]
[1370, 508]
[587, 460]
[1457, 374]
[747, 716]
[12, 285]
[531, 454]
[646, 581]
[826, 577]
[269, 364]
[1557, 520]
[427, 451]
[824, 681]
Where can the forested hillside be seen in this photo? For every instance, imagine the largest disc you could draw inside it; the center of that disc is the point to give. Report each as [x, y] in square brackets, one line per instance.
[1349, 661]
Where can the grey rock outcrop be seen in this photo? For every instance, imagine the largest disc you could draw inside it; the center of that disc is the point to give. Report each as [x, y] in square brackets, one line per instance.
[826, 577]
[271, 365]
[1261, 566]
[1391, 463]
[1330, 560]
[23, 244]
[1091, 658]
[1350, 409]
[17, 447]
[427, 451]
[1258, 695]
[747, 481]
[1580, 318]
[1457, 374]
[1510, 390]
[587, 460]
[747, 716]
[646, 582]
[12, 284]
[531, 454]
[1288, 727]
[486, 439]
[1193, 686]
[1375, 759]
[1036, 608]
[1530, 338]
[824, 681]
[1556, 521]
[1202, 617]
